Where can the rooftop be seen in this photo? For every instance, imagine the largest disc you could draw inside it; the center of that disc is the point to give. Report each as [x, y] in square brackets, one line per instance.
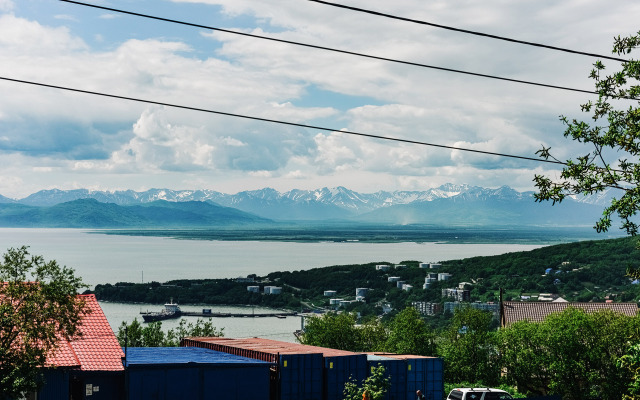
[183, 355]
[97, 349]
[514, 311]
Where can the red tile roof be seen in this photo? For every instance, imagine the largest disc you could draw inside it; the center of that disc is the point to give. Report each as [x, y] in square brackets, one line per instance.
[97, 349]
[514, 311]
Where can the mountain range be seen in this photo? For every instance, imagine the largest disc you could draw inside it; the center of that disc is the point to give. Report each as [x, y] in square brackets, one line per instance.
[449, 204]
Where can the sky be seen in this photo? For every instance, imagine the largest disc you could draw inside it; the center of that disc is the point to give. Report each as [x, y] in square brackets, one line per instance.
[50, 138]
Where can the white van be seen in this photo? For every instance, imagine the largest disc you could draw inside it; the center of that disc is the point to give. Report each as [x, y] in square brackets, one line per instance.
[478, 394]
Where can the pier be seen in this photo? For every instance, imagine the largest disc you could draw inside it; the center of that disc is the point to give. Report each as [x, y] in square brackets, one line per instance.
[237, 315]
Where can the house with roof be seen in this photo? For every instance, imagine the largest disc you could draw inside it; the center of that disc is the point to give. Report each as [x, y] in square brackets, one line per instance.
[514, 311]
[88, 366]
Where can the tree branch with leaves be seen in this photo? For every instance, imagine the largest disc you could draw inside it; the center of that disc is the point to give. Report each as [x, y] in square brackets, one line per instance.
[615, 127]
[38, 306]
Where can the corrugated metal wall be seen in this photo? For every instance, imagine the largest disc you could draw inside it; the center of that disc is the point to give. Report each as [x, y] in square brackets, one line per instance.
[425, 374]
[201, 382]
[56, 385]
[316, 373]
[338, 370]
[396, 371]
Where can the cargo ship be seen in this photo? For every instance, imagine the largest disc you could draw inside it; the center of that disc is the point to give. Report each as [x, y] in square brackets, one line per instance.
[171, 310]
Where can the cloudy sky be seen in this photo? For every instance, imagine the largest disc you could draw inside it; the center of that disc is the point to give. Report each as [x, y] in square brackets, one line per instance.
[51, 138]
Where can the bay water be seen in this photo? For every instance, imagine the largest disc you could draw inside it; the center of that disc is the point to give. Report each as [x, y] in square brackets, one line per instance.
[100, 258]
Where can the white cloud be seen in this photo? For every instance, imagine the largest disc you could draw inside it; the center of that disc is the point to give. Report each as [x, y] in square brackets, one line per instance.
[69, 134]
[6, 5]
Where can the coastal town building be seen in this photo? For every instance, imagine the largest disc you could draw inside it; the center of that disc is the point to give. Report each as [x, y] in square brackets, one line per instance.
[426, 308]
[457, 294]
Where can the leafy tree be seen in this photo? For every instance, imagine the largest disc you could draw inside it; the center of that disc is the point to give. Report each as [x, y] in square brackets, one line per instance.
[631, 362]
[585, 349]
[409, 334]
[38, 306]
[375, 385]
[333, 330]
[524, 356]
[372, 336]
[152, 335]
[468, 348]
[572, 353]
[615, 137]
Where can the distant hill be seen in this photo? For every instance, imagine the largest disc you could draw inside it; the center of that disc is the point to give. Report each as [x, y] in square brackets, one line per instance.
[447, 205]
[90, 213]
[582, 271]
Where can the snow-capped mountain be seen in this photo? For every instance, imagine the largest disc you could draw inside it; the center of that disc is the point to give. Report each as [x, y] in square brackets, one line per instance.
[448, 202]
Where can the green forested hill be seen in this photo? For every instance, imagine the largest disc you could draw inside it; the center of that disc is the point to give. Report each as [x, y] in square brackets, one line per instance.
[582, 271]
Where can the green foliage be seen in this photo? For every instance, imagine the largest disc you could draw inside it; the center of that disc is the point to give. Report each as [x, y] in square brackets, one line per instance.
[408, 334]
[152, 335]
[38, 304]
[333, 330]
[205, 291]
[572, 353]
[631, 362]
[375, 386]
[524, 357]
[601, 263]
[613, 133]
[468, 348]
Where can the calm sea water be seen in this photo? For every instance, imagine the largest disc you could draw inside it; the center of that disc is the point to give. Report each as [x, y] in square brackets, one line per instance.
[100, 258]
[266, 327]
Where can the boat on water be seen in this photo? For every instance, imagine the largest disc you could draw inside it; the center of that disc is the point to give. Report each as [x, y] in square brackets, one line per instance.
[171, 310]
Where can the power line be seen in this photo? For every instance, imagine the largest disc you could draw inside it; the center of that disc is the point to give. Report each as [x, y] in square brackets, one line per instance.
[415, 21]
[279, 122]
[415, 64]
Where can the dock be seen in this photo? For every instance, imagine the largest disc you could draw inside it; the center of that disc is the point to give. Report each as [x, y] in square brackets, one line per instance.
[237, 315]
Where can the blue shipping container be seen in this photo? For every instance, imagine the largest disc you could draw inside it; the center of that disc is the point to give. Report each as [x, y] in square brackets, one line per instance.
[63, 383]
[300, 376]
[395, 370]
[339, 370]
[426, 375]
[194, 373]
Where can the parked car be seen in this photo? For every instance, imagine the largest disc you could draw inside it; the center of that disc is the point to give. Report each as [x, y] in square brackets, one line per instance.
[478, 394]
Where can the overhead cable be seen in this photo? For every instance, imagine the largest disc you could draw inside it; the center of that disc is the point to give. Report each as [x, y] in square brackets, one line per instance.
[346, 132]
[415, 21]
[333, 49]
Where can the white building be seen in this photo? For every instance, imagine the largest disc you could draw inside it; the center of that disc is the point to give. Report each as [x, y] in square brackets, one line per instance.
[382, 267]
[330, 293]
[430, 279]
[393, 279]
[253, 289]
[272, 290]
[361, 292]
[425, 308]
[444, 276]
